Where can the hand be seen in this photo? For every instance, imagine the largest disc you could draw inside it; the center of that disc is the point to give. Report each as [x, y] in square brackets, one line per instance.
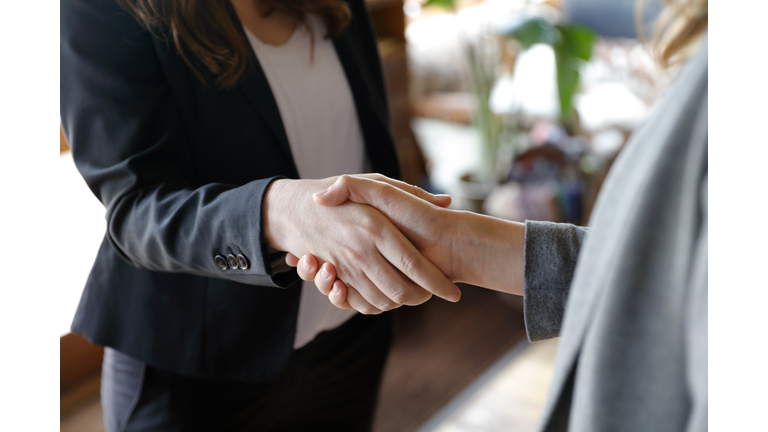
[489, 250]
[364, 247]
[324, 276]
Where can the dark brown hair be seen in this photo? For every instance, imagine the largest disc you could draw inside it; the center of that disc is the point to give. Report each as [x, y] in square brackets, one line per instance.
[208, 35]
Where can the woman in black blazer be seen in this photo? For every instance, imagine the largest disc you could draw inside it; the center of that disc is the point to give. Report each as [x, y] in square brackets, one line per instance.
[184, 292]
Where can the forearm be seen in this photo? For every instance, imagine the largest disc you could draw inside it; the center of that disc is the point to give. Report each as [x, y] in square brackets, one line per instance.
[487, 252]
[173, 230]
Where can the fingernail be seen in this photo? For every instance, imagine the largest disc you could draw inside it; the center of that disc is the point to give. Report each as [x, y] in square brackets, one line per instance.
[454, 297]
[335, 290]
[322, 192]
[305, 266]
[442, 196]
[324, 273]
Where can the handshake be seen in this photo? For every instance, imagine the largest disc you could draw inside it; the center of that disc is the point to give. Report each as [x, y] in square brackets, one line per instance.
[373, 244]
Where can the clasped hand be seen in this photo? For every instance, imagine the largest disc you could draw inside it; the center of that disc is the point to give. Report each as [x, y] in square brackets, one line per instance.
[415, 213]
[381, 267]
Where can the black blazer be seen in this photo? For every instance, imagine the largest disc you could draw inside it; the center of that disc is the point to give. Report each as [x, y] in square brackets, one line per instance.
[182, 169]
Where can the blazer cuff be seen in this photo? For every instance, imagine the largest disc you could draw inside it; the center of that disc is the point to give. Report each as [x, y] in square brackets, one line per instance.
[550, 256]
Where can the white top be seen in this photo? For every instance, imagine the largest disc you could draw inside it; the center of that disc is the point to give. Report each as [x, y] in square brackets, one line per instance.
[320, 120]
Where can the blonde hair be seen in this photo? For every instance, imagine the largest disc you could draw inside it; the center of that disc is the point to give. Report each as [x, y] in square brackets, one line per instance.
[676, 32]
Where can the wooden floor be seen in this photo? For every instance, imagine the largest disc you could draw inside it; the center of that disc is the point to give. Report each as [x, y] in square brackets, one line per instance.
[85, 419]
[439, 349]
[512, 398]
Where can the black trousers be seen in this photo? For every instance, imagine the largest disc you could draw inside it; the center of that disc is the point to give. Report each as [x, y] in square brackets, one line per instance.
[331, 384]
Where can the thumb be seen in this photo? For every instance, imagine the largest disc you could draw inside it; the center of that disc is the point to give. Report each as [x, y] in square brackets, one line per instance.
[334, 195]
[387, 198]
[373, 189]
[358, 190]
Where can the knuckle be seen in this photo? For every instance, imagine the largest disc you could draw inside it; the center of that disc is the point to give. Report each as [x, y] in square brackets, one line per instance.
[344, 180]
[421, 193]
[387, 194]
[342, 268]
[356, 255]
[370, 225]
[408, 263]
[401, 297]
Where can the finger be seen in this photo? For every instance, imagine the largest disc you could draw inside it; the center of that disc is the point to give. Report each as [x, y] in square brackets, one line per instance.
[341, 296]
[374, 295]
[363, 192]
[396, 249]
[291, 259]
[357, 302]
[325, 278]
[307, 267]
[441, 200]
[338, 295]
[392, 283]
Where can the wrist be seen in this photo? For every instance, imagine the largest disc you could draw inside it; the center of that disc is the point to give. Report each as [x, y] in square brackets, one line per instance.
[272, 211]
[489, 252]
[287, 208]
[459, 239]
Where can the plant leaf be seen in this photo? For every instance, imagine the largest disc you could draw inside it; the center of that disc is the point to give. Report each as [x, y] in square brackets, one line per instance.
[529, 31]
[577, 41]
[567, 79]
[445, 4]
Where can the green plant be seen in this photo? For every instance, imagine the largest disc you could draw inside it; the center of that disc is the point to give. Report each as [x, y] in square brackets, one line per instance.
[572, 45]
[483, 57]
[445, 4]
[483, 53]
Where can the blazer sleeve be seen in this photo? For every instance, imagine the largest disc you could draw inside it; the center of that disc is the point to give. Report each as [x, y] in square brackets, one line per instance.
[550, 255]
[128, 143]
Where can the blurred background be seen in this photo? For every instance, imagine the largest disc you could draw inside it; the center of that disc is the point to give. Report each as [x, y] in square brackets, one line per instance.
[516, 108]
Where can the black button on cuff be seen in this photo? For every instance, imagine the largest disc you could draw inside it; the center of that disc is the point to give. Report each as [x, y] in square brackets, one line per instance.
[220, 261]
[232, 261]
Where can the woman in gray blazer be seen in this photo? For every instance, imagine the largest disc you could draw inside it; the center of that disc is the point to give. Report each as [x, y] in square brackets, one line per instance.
[627, 295]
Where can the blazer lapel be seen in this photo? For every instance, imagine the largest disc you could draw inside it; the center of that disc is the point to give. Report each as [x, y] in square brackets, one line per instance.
[379, 143]
[256, 87]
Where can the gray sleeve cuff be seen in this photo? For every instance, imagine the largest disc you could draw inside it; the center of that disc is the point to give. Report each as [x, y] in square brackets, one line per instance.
[550, 255]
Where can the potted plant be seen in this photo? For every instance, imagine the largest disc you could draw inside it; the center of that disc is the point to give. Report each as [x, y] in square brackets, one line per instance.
[482, 52]
[572, 45]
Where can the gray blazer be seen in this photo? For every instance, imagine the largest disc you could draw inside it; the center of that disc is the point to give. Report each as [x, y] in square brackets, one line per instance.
[628, 295]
